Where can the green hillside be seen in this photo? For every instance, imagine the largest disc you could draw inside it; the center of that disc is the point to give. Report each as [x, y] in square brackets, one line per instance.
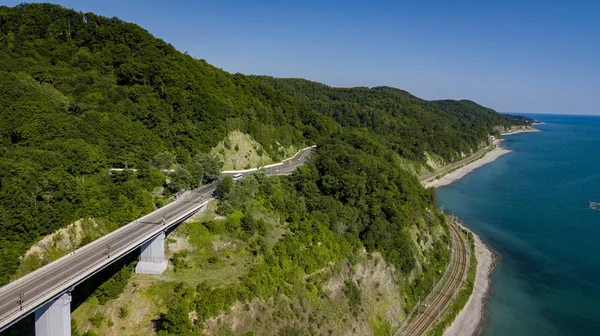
[409, 125]
[81, 93]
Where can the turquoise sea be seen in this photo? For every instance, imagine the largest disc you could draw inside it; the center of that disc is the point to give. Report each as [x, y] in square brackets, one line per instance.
[531, 207]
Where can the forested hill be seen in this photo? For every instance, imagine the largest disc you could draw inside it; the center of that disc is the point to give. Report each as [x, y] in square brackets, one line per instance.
[87, 67]
[80, 93]
[410, 125]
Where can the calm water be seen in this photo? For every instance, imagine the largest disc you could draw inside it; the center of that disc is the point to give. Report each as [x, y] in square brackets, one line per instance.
[531, 206]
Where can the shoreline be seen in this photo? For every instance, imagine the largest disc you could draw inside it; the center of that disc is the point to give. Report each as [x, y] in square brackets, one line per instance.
[469, 319]
[526, 130]
[461, 172]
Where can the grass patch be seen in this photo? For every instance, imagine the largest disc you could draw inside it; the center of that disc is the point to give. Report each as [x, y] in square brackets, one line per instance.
[275, 230]
[462, 297]
[217, 257]
[381, 327]
[218, 271]
[132, 313]
[240, 151]
[207, 215]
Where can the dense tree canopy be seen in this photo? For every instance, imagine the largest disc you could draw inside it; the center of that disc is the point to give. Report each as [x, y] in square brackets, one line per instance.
[81, 93]
[409, 125]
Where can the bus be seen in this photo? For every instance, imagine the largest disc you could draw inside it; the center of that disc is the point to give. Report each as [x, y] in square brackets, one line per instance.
[236, 177]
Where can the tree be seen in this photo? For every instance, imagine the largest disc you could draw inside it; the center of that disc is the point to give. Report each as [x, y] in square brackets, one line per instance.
[176, 320]
[197, 172]
[225, 187]
[81, 93]
[163, 160]
[180, 179]
[211, 165]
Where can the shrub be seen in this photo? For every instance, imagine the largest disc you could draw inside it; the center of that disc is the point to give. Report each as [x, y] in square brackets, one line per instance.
[123, 312]
[96, 320]
[352, 292]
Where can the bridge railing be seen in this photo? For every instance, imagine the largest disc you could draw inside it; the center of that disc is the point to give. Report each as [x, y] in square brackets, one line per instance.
[68, 256]
[85, 273]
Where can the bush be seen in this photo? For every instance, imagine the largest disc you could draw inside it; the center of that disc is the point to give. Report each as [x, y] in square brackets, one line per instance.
[123, 312]
[352, 292]
[113, 287]
[96, 320]
[180, 260]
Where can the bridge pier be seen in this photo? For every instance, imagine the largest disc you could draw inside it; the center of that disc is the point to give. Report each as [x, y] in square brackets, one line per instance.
[54, 318]
[152, 258]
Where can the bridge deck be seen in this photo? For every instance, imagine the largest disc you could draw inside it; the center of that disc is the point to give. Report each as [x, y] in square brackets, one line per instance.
[22, 296]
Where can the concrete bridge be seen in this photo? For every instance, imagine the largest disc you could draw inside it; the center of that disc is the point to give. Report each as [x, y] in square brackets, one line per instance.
[46, 291]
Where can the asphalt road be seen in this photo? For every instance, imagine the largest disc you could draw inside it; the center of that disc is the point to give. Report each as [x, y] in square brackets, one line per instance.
[432, 310]
[285, 168]
[61, 275]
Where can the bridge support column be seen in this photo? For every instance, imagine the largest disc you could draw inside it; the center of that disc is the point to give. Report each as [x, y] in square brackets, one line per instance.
[54, 318]
[152, 258]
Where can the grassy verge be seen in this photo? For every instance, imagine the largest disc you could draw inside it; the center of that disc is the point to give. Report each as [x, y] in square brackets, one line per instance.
[462, 297]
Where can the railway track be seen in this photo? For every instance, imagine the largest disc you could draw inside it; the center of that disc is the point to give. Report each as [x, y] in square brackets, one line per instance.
[422, 322]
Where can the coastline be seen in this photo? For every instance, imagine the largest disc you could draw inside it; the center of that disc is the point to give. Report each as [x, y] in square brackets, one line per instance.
[469, 319]
[461, 172]
[525, 130]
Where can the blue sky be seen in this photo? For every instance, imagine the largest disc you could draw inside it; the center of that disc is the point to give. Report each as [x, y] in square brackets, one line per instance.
[513, 56]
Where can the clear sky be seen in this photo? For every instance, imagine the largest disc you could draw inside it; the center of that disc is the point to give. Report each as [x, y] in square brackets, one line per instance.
[514, 56]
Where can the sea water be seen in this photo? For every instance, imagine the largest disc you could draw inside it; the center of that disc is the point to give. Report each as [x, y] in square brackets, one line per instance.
[531, 206]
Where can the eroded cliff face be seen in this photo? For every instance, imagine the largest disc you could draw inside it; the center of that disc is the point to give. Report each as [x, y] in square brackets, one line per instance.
[366, 296]
[355, 299]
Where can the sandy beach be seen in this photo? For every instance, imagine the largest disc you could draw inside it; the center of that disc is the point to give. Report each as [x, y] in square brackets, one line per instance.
[467, 322]
[470, 317]
[528, 130]
[459, 173]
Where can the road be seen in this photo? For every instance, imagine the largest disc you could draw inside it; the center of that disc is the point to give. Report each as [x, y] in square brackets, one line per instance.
[420, 323]
[38, 287]
[284, 168]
